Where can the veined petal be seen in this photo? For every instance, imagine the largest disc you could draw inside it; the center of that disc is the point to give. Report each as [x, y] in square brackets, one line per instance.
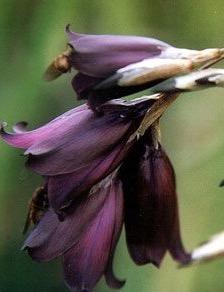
[164, 178]
[81, 83]
[110, 277]
[63, 189]
[51, 237]
[115, 66]
[87, 260]
[146, 242]
[78, 148]
[101, 55]
[25, 139]
[88, 140]
[79, 134]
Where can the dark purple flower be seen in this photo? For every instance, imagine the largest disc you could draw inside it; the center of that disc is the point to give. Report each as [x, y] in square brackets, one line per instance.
[90, 165]
[86, 239]
[97, 57]
[79, 148]
[111, 66]
[101, 55]
[151, 209]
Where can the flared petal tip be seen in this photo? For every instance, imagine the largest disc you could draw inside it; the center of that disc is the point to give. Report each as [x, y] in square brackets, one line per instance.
[112, 281]
[16, 137]
[67, 28]
[71, 34]
[186, 264]
[186, 260]
[141, 259]
[2, 126]
[180, 255]
[18, 128]
[4, 135]
[117, 284]
[156, 263]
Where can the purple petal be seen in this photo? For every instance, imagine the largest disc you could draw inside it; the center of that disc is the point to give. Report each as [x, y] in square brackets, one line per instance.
[81, 83]
[86, 138]
[111, 280]
[52, 147]
[78, 146]
[85, 262]
[51, 238]
[151, 215]
[22, 139]
[78, 133]
[164, 179]
[63, 189]
[101, 55]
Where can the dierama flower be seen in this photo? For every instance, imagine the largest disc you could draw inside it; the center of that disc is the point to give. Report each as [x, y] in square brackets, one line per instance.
[79, 148]
[91, 163]
[103, 165]
[87, 237]
[151, 209]
[114, 66]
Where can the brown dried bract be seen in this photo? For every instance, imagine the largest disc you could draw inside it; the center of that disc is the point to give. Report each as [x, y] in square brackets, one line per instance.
[60, 65]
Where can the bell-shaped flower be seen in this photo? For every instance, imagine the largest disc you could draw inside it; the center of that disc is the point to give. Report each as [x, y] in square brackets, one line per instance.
[151, 209]
[111, 66]
[86, 239]
[79, 148]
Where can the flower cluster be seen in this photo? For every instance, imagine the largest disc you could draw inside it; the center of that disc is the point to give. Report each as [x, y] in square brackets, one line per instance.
[102, 163]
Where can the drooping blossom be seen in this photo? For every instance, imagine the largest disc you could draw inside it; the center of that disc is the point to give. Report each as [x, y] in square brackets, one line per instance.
[97, 57]
[86, 239]
[112, 66]
[90, 166]
[151, 207]
[79, 148]
[100, 55]
[95, 177]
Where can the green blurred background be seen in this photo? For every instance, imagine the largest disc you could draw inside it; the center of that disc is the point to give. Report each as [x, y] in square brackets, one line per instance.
[31, 34]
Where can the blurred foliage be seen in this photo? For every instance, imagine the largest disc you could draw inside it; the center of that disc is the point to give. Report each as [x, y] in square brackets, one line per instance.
[31, 34]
